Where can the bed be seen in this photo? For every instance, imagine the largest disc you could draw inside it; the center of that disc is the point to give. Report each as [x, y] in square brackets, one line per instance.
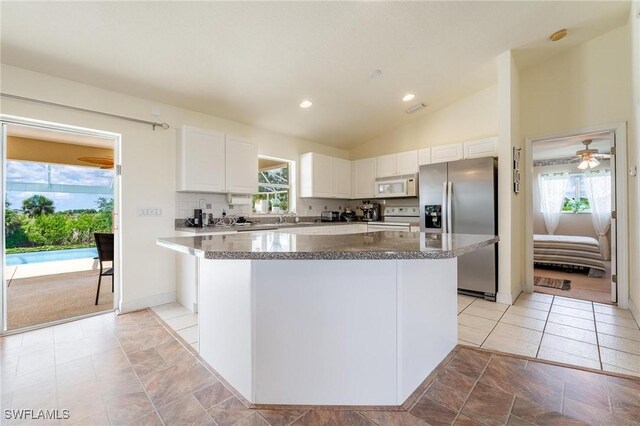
[568, 252]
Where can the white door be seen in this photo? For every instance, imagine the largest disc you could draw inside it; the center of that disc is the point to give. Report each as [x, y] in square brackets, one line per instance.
[364, 178]
[322, 172]
[386, 165]
[201, 163]
[407, 162]
[341, 178]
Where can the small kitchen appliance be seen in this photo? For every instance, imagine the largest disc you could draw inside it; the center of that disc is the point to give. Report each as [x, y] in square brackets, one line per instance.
[329, 216]
[347, 216]
[198, 218]
[370, 211]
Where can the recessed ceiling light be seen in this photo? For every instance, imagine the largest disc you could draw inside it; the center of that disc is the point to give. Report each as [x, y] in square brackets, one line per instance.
[408, 97]
[375, 74]
[558, 35]
[306, 103]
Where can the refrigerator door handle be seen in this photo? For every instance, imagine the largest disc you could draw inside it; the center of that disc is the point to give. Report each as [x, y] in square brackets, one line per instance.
[444, 208]
[449, 225]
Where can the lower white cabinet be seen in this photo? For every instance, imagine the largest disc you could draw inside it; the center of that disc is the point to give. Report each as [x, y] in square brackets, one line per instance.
[355, 228]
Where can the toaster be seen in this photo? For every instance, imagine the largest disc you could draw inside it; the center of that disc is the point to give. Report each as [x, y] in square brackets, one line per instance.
[328, 216]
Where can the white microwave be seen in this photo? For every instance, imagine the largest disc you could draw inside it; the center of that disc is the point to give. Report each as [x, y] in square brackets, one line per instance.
[397, 186]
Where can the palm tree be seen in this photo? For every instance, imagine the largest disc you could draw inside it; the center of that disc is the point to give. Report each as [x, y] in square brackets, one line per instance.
[37, 205]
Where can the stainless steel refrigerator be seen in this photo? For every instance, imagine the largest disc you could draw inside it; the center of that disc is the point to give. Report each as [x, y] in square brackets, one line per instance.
[462, 197]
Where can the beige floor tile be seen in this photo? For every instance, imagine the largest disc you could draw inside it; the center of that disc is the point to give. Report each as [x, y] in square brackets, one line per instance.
[464, 300]
[171, 312]
[538, 297]
[476, 322]
[616, 330]
[615, 320]
[196, 346]
[494, 306]
[464, 343]
[472, 335]
[575, 347]
[509, 345]
[517, 333]
[68, 332]
[533, 304]
[183, 321]
[528, 312]
[483, 313]
[614, 369]
[612, 310]
[558, 356]
[620, 359]
[619, 343]
[35, 361]
[190, 335]
[572, 321]
[571, 333]
[572, 312]
[510, 318]
[573, 303]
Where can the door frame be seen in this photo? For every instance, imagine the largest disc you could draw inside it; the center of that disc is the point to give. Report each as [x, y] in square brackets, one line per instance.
[619, 130]
[8, 120]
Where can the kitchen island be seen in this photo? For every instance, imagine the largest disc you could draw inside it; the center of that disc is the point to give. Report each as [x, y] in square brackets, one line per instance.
[358, 319]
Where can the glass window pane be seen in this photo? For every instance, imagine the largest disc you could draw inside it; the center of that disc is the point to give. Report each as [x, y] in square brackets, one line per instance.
[26, 172]
[78, 175]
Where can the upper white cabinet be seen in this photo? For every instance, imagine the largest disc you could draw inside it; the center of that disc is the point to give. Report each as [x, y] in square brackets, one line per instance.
[402, 163]
[241, 167]
[210, 161]
[481, 148]
[444, 153]
[364, 177]
[201, 160]
[341, 182]
[407, 162]
[322, 176]
[424, 156]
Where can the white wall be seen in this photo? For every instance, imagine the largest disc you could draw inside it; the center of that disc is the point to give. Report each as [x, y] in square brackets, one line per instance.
[148, 162]
[473, 117]
[634, 160]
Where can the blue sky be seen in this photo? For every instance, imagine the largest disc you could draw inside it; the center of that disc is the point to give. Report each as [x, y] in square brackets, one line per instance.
[29, 172]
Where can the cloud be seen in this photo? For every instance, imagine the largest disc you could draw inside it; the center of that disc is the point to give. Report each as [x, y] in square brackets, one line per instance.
[29, 172]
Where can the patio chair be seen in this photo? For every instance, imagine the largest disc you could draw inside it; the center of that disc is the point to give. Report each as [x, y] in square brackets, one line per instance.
[104, 244]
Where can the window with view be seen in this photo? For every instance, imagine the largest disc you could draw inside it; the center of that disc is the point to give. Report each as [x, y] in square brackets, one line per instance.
[575, 197]
[273, 187]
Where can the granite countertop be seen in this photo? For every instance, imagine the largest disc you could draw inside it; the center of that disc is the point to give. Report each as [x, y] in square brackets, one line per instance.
[260, 227]
[279, 245]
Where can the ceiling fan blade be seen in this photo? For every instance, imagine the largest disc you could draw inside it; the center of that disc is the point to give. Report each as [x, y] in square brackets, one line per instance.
[107, 167]
[103, 161]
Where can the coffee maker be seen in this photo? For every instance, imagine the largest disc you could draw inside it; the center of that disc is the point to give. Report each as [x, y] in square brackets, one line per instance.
[370, 211]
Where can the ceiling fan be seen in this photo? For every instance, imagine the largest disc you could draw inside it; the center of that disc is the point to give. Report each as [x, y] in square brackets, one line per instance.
[103, 162]
[588, 156]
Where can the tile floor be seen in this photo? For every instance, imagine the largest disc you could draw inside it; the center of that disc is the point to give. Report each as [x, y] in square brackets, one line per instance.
[554, 328]
[130, 370]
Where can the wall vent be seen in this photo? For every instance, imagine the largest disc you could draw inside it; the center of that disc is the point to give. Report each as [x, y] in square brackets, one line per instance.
[415, 108]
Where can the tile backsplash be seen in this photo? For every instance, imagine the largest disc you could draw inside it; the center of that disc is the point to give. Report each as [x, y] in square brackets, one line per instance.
[186, 202]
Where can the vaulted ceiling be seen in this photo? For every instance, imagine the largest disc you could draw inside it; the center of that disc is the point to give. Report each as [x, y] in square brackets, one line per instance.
[254, 62]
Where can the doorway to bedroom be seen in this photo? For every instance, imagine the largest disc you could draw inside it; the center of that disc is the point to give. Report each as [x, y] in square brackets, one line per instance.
[573, 204]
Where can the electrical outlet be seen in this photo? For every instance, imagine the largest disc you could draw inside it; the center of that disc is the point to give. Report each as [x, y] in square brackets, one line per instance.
[203, 204]
[310, 207]
[325, 207]
[150, 212]
[209, 206]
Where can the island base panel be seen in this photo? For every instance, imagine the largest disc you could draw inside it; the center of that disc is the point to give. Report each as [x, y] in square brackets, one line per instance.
[327, 332]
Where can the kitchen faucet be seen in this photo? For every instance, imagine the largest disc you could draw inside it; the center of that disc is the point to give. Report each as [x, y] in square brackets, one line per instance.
[284, 216]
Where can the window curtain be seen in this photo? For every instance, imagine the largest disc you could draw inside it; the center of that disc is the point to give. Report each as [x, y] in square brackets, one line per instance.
[552, 189]
[598, 188]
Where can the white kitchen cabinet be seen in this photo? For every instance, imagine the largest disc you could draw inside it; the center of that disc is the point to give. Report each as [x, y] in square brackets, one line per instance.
[241, 166]
[364, 178]
[424, 156]
[322, 176]
[341, 178]
[445, 153]
[402, 163]
[201, 160]
[481, 148]
[354, 228]
[386, 165]
[407, 162]
[210, 161]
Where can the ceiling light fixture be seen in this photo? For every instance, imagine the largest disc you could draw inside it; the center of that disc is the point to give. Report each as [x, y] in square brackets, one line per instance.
[306, 103]
[558, 35]
[588, 156]
[408, 97]
[375, 74]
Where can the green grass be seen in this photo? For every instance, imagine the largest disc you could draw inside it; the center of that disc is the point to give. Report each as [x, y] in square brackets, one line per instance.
[46, 248]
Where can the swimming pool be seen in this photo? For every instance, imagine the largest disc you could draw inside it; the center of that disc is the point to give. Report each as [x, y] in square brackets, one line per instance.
[50, 256]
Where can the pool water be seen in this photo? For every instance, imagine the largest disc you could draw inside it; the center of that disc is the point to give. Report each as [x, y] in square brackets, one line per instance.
[50, 256]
